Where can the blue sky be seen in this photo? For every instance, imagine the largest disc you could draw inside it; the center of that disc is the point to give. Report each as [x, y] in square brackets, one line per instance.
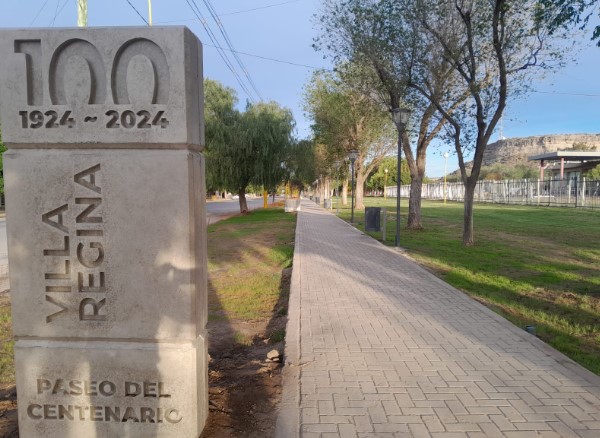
[283, 30]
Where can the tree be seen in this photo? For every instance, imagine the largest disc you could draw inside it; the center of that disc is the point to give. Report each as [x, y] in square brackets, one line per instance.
[493, 48]
[566, 14]
[378, 35]
[378, 179]
[346, 119]
[244, 148]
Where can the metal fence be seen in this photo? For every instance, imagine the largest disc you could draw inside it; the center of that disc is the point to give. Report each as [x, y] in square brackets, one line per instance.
[559, 193]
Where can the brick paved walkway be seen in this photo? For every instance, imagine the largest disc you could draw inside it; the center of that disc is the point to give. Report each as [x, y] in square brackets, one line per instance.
[378, 347]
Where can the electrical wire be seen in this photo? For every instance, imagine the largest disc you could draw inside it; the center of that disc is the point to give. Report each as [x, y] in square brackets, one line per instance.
[229, 43]
[221, 52]
[269, 59]
[567, 94]
[38, 13]
[138, 12]
[230, 13]
[57, 12]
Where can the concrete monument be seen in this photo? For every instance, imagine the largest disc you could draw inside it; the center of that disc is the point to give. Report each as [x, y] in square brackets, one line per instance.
[106, 230]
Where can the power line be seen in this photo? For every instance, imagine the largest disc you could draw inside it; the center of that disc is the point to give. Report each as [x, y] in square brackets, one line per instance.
[57, 12]
[567, 94]
[225, 35]
[269, 59]
[229, 13]
[137, 12]
[221, 52]
[38, 13]
[259, 8]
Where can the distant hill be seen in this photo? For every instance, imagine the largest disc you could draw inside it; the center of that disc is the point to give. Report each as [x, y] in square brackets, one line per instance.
[513, 151]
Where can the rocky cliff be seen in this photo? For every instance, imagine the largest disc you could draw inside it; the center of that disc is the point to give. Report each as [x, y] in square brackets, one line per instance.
[514, 151]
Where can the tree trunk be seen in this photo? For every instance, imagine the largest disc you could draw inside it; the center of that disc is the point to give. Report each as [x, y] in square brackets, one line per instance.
[414, 203]
[345, 192]
[359, 191]
[243, 203]
[468, 238]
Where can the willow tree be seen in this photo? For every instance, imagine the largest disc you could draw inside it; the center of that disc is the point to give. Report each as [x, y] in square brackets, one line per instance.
[346, 118]
[244, 148]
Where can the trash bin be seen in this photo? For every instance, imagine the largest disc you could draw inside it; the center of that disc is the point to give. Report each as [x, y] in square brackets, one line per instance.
[318, 200]
[373, 219]
[327, 203]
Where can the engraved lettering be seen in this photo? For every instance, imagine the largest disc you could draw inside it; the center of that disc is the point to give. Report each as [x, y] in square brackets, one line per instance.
[63, 307]
[102, 388]
[89, 310]
[159, 69]
[84, 216]
[75, 387]
[64, 251]
[90, 183]
[43, 385]
[65, 412]
[91, 283]
[60, 275]
[132, 389]
[172, 416]
[58, 67]
[59, 223]
[50, 412]
[112, 414]
[33, 415]
[32, 49]
[87, 262]
[147, 415]
[130, 415]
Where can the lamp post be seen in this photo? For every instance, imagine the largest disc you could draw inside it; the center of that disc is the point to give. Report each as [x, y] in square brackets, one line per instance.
[400, 117]
[446, 155]
[337, 164]
[352, 155]
[385, 183]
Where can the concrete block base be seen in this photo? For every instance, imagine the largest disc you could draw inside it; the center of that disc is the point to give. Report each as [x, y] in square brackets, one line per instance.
[111, 389]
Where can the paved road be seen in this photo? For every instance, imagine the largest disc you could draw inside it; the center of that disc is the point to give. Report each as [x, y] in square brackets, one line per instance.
[378, 347]
[217, 210]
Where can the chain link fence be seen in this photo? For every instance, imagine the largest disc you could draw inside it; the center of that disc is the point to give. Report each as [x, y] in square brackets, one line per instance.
[560, 193]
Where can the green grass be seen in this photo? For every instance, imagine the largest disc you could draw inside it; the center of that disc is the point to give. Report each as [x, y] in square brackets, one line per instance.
[7, 366]
[533, 265]
[246, 257]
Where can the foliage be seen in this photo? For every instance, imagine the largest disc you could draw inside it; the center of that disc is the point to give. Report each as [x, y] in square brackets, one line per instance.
[594, 173]
[244, 148]
[300, 164]
[378, 178]
[568, 14]
[499, 172]
[345, 118]
[377, 36]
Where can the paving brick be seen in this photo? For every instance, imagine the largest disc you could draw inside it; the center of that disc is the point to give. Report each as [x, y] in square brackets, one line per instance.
[391, 351]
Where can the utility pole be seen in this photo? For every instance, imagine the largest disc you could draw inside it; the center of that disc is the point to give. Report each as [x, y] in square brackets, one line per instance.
[82, 13]
[150, 12]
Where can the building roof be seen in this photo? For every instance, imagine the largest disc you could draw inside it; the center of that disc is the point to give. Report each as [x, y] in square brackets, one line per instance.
[567, 155]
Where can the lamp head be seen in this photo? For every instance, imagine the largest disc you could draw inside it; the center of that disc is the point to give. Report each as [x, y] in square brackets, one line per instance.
[352, 156]
[400, 116]
[385, 170]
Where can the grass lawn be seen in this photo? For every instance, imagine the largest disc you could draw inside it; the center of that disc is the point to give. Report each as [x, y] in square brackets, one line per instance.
[533, 265]
[247, 255]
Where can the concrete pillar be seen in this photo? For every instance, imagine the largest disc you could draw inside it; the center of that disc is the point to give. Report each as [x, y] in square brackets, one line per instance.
[105, 191]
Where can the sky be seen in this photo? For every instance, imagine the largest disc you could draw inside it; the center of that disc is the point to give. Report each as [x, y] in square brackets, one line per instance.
[283, 31]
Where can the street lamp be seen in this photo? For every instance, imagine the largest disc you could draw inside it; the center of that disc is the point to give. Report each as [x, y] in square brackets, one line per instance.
[385, 183]
[400, 117]
[352, 155]
[446, 155]
[337, 164]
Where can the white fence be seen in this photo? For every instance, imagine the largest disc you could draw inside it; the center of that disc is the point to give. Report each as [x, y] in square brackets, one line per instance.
[563, 193]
